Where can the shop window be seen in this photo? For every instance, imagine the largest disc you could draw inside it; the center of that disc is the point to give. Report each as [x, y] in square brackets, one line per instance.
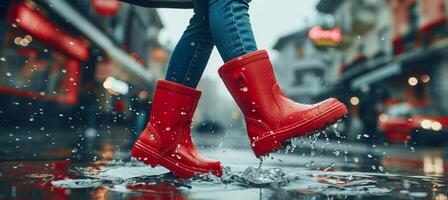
[299, 53]
[413, 17]
[385, 45]
[29, 68]
[361, 48]
[298, 78]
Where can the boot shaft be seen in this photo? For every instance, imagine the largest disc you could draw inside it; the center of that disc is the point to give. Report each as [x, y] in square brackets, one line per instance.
[252, 83]
[172, 111]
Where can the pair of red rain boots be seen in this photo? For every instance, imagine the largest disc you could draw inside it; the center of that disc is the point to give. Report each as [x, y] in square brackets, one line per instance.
[271, 118]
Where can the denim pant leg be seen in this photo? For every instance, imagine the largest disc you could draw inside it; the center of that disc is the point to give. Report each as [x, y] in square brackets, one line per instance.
[192, 52]
[231, 29]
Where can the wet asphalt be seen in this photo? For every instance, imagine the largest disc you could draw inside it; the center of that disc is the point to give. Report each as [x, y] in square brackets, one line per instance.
[64, 164]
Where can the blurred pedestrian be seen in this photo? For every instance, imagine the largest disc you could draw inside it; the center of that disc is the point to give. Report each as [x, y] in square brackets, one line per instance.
[84, 148]
[141, 107]
[271, 118]
[89, 107]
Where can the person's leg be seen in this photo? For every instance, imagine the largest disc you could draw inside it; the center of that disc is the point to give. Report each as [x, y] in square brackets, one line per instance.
[231, 29]
[193, 51]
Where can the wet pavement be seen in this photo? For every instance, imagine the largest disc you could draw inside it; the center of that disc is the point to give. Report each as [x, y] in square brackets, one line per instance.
[63, 164]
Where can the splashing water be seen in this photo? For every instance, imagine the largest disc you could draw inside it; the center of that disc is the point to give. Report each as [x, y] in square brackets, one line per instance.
[122, 174]
[313, 139]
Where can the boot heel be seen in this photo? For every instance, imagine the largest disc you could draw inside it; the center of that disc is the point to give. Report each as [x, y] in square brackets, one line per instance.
[144, 157]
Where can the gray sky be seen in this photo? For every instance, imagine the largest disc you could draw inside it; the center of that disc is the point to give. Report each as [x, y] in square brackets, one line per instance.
[270, 19]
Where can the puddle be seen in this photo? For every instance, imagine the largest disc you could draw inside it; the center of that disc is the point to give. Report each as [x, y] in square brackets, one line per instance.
[122, 180]
[139, 178]
[142, 180]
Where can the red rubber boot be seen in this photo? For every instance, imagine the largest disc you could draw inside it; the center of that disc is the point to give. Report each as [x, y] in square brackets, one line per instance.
[271, 118]
[167, 140]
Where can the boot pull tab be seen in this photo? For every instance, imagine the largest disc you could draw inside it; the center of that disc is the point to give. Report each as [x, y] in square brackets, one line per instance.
[240, 79]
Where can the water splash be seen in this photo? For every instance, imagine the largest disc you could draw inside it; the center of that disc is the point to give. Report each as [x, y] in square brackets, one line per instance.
[119, 177]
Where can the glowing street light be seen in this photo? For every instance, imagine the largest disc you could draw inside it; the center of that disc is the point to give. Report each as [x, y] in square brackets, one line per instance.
[425, 78]
[354, 101]
[413, 81]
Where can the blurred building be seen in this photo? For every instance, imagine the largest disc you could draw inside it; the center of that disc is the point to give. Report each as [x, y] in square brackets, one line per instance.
[390, 53]
[303, 70]
[393, 52]
[56, 52]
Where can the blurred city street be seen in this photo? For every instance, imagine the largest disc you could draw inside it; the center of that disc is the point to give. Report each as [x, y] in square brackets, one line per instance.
[78, 80]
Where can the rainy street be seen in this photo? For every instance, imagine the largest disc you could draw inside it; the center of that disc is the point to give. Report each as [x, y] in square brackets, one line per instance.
[76, 167]
[223, 99]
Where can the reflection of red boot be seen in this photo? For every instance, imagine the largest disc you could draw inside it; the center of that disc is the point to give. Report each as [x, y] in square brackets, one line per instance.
[271, 118]
[167, 140]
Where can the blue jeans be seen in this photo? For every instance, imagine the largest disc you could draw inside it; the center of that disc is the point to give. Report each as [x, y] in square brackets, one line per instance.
[224, 23]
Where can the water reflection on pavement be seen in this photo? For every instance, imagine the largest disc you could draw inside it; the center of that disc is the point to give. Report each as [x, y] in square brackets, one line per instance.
[74, 168]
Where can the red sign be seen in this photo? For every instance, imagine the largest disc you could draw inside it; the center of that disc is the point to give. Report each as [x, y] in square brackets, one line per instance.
[35, 23]
[106, 7]
[322, 37]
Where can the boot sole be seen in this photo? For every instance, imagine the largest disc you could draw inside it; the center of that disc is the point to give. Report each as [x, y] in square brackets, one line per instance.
[151, 157]
[278, 139]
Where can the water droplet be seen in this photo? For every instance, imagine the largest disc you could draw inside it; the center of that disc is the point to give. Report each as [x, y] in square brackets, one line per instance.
[336, 153]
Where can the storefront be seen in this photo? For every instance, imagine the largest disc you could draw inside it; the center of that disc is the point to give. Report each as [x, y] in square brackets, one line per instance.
[55, 63]
[39, 59]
